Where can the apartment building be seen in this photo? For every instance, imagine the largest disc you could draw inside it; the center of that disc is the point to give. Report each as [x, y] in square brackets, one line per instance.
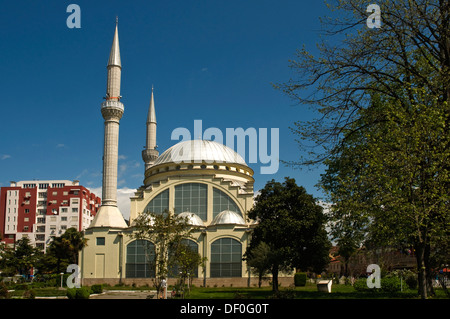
[43, 209]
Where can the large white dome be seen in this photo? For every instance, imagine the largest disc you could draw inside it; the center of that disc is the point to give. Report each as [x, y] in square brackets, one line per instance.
[198, 151]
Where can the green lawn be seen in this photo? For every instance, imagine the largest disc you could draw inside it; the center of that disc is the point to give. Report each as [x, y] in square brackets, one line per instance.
[307, 292]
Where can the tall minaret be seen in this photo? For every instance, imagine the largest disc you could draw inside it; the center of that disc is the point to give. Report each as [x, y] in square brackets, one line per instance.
[150, 154]
[112, 111]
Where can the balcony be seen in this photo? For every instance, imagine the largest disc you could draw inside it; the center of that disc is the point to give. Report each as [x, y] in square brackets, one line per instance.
[113, 104]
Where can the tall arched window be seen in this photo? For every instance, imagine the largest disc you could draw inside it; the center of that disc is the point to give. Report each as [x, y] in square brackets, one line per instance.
[140, 262]
[191, 197]
[226, 258]
[159, 203]
[222, 201]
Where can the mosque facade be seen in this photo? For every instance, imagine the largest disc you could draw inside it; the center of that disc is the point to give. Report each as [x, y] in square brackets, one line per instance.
[205, 181]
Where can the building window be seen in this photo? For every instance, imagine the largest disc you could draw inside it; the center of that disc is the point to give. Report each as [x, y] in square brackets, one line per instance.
[140, 259]
[191, 197]
[222, 201]
[226, 258]
[159, 203]
[75, 210]
[100, 241]
[27, 211]
[63, 219]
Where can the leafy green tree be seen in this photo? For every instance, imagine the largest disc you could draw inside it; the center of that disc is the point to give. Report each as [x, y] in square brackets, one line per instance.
[347, 248]
[66, 248]
[260, 260]
[166, 231]
[392, 181]
[185, 261]
[291, 223]
[382, 96]
[20, 259]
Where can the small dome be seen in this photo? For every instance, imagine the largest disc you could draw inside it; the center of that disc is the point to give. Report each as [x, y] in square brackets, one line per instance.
[228, 217]
[150, 221]
[198, 151]
[192, 219]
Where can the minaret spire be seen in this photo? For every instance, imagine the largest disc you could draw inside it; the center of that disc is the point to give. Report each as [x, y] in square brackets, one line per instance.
[114, 55]
[112, 110]
[150, 154]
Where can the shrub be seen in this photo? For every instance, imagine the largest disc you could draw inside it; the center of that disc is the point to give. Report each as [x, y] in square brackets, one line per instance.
[78, 293]
[71, 293]
[361, 285]
[29, 294]
[21, 287]
[390, 284]
[4, 294]
[300, 279]
[82, 293]
[283, 294]
[411, 281]
[96, 289]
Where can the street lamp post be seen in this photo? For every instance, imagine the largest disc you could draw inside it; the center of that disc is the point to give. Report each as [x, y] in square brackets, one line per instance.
[61, 279]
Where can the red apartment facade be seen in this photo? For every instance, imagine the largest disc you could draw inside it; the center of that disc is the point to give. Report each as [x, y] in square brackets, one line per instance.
[43, 210]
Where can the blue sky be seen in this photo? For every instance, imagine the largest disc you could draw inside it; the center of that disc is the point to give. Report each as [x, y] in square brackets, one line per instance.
[208, 60]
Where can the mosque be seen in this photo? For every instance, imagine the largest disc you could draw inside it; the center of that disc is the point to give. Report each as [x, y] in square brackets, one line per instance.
[204, 180]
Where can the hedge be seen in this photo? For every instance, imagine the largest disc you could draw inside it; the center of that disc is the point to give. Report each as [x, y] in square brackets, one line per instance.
[78, 293]
[300, 279]
[388, 284]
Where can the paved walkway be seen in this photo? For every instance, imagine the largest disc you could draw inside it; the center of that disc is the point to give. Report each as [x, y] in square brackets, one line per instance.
[125, 294]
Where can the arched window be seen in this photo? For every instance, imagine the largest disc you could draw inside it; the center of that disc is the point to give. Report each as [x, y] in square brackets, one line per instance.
[226, 258]
[159, 203]
[222, 201]
[191, 197]
[140, 261]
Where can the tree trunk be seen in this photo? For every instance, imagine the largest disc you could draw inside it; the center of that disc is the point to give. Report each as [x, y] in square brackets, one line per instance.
[429, 274]
[421, 270]
[275, 278]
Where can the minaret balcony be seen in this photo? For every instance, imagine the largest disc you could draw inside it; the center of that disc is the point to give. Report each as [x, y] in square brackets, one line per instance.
[113, 104]
[112, 110]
